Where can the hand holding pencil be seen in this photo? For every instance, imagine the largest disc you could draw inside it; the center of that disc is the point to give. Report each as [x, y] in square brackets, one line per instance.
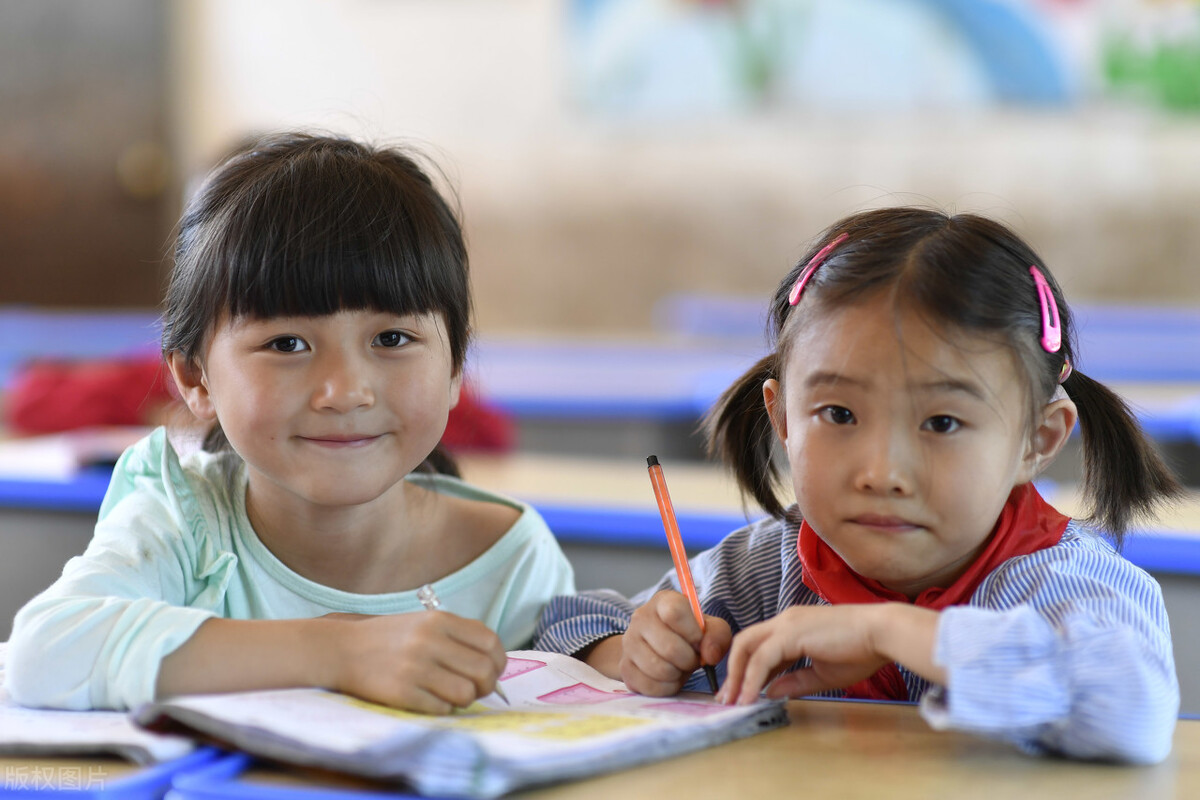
[667, 638]
[661, 649]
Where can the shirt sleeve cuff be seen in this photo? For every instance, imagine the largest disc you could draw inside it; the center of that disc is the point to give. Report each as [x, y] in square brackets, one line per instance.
[571, 623]
[162, 634]
[982, 649]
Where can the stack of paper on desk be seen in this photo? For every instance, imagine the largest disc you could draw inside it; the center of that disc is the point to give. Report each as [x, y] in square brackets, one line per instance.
[565, 721]
[60, 456]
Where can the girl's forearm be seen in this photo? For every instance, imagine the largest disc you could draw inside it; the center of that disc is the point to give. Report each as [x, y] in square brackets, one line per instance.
[226, 655]
[907, 634]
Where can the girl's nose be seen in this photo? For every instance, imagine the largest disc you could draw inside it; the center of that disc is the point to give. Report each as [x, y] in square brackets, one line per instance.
[343, 386]
[886, 467]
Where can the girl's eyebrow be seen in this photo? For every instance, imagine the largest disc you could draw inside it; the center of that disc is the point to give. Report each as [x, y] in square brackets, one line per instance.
[826, 378]
[940, 386]
[951, 385]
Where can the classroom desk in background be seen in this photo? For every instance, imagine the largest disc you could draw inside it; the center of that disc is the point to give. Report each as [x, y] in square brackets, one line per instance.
[1117, 342]
[611, 399]
[610, 502]
[604, 515]
[829, 749]
[634, 396]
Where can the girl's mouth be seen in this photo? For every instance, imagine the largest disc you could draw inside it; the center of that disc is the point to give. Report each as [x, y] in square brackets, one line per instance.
[341, 440]
[885, 523]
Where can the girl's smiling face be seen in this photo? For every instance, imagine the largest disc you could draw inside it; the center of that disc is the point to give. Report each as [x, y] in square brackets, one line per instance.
[330, 410]
[904, 440]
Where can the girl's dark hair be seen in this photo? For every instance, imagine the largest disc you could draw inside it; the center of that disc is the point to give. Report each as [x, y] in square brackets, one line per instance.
[960, 271]
[296, 224]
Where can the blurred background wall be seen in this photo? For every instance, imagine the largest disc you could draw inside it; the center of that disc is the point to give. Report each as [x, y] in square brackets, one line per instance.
[86, 194]
[611, 153]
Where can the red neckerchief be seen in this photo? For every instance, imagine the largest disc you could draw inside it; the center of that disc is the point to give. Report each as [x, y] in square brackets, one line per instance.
[1027, 524]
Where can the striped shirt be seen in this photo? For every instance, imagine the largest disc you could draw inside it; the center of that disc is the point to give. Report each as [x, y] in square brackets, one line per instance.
[1065, 650]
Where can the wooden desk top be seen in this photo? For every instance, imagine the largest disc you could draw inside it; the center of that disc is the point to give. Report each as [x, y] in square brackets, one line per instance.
[830, 749]
[616, 483]
[695, 487]
[878, 751]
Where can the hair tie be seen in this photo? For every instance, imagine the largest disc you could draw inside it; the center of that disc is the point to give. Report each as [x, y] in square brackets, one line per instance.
[1066, 371]
[811, 267]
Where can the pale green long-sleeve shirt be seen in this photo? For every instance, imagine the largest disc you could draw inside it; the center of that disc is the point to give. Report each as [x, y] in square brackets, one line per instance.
[173, 547]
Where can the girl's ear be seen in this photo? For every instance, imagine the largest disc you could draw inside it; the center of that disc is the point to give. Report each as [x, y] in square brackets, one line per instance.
[193, 385]
[773, 397]
[1049, 436]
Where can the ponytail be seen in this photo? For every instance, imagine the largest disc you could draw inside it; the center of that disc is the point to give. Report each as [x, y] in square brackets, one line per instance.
[1124, 477]
[739, 433]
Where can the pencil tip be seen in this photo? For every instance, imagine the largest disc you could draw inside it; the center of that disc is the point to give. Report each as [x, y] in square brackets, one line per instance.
[710, 672]
[652, 461]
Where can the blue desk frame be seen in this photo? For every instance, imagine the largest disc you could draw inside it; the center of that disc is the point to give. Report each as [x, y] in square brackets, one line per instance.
[219, 781]
[1154, 551]
[622, 382]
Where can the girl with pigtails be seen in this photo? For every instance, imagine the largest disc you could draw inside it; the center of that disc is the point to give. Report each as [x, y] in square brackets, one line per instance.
[923, 375]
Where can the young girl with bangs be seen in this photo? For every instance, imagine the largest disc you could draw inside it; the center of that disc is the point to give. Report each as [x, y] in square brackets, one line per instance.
[924, 374]
[317, 321]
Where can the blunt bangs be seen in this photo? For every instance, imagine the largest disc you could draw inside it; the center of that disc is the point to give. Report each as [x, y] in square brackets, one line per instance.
[317, 246]
[334, 227]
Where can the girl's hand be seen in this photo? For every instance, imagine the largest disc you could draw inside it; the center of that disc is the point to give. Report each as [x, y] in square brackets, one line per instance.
[430, 661]
[663, 645]
[845, 644]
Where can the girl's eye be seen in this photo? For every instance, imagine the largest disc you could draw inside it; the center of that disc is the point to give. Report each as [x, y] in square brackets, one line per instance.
[838, 415]
[942, 423]
[288, 344]
[392, 339]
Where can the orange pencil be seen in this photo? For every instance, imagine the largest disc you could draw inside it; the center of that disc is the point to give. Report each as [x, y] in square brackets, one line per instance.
[678, 554]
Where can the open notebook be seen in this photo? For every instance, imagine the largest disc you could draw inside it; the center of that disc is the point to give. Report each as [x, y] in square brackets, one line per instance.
[565, 721]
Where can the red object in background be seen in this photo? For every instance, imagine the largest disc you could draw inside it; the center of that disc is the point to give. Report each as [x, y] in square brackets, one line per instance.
[54, 396]
[476, 425]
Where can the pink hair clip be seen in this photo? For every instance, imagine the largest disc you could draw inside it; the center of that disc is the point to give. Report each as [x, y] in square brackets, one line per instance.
[1051, 327]
[811, 267]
